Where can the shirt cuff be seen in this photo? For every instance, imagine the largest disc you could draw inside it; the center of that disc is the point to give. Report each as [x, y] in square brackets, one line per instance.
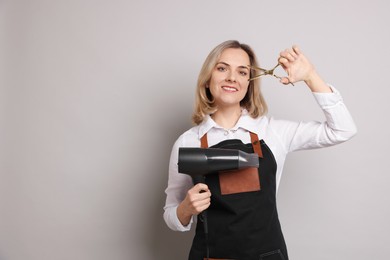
[176, 222]
[326, 100]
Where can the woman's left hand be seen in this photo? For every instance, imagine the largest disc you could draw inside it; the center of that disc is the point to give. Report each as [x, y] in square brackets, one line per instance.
[297, 66]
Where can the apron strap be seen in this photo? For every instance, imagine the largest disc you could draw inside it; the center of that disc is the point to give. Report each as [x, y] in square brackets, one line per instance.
[254, 140]
[256, 144]
[203, 141]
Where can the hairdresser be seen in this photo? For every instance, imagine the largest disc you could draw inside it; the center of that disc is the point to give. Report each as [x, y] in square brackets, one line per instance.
[230, 112]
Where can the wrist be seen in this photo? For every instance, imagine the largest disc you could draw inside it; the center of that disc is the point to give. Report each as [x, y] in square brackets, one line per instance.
[316, 84]
[183, 215]
[311, 77]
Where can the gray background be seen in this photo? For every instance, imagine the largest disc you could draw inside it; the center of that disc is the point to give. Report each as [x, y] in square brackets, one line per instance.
[94, 93]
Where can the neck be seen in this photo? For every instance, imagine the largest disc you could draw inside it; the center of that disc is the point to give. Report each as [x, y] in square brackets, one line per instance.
[227, 117]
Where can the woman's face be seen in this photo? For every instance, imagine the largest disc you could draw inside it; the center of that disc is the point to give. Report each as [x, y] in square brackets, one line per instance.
[229, 79]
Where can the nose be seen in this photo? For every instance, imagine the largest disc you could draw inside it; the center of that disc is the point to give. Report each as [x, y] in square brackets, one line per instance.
[231, 77]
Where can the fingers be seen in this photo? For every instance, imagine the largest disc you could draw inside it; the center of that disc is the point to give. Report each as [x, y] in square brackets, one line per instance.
[199, 192]
[290, 59]
[198, 198]
[200, 187]
[284, 62]
[296, 65]
[289, 55]
[296, 49]
[201, 206]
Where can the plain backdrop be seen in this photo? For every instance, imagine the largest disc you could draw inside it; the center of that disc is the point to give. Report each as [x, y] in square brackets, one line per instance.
[94, 93]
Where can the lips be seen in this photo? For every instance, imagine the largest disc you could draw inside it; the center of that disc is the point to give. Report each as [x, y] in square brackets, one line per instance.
[229, 88]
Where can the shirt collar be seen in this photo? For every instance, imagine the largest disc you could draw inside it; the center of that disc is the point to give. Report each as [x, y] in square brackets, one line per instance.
[207, 124]
[245, 122]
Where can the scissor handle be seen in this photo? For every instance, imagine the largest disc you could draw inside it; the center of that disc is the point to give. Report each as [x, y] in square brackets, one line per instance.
[265, 72]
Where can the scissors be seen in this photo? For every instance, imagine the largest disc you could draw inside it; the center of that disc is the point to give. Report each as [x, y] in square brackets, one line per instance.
[265, 72]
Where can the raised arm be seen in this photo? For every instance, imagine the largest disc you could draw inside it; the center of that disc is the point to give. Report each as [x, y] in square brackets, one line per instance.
[339, 125]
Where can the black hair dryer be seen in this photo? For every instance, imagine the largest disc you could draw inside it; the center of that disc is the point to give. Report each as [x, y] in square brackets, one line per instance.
[198, 162]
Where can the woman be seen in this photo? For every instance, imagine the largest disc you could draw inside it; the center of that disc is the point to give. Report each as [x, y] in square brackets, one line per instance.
[230, 113]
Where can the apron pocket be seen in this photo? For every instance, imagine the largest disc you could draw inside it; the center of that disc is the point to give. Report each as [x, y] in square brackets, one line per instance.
[239, 181]
[273, 255]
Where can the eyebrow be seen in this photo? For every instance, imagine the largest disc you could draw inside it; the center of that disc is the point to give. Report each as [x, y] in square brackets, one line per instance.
[241, 67]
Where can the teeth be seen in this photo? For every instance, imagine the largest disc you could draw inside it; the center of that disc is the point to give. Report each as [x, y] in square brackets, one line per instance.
[230, 88]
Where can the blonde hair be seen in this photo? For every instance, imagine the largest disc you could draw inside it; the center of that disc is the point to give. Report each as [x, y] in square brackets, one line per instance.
[253, 101]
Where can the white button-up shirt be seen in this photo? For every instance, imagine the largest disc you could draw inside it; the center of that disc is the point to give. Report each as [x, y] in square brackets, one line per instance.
[282, 137]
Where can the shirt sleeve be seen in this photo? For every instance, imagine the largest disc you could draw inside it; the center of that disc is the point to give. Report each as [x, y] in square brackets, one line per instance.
[338, 127]
[178, 185]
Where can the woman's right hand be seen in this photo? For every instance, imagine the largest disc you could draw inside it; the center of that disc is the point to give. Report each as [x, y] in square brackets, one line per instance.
[196, 201]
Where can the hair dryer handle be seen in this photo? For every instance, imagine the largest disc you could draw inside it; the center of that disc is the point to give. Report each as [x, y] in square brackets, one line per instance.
[198, 179]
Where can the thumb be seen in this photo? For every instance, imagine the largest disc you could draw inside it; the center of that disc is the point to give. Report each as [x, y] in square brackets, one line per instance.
[200, 187]
[285, 80]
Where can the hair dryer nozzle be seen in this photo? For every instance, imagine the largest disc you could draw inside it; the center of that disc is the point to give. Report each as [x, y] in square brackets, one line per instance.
[247, 160]
[203, 161]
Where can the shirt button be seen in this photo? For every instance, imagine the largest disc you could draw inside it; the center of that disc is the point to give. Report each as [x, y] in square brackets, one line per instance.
[226, 132]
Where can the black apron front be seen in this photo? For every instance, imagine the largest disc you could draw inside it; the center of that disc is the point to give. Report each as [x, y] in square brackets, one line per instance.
[244, 225]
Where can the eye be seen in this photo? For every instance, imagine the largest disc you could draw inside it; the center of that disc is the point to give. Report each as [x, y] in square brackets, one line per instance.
[221, 68]
[243, 73]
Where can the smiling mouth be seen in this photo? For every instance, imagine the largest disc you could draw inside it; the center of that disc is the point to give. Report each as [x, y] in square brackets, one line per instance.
[230, 89]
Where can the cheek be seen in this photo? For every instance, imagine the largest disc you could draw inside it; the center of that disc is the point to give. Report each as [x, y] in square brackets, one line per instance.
[245, 89]
[213, 83]
[245, 85]
[216, 78]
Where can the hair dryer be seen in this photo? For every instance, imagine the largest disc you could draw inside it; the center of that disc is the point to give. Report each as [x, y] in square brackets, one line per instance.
[198, 162]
